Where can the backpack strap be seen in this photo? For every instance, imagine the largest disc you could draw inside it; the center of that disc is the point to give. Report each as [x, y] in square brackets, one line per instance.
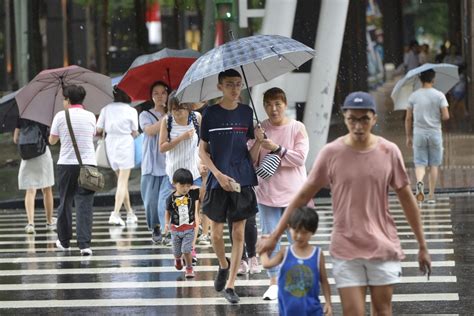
[169, 125]
[153, 115]
[192, 117]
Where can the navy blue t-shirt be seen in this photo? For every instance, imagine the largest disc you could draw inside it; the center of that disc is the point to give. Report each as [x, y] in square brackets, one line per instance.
[227, 133]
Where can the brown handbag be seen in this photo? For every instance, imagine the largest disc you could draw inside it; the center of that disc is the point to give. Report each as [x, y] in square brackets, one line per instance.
[90, 177]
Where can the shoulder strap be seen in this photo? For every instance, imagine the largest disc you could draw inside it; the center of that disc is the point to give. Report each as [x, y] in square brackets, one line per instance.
[193, 118]
[169, 125]
[73, 138]
[153, 115]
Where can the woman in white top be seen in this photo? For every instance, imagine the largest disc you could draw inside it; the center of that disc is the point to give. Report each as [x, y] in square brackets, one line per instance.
[179, 138]
[119, 121]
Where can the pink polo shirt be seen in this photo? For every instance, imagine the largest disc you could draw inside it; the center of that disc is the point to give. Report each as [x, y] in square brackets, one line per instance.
[360, 180]
[280, 189]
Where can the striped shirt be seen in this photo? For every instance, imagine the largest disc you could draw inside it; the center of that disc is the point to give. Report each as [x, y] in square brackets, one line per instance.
[185, 154]
[83, 125]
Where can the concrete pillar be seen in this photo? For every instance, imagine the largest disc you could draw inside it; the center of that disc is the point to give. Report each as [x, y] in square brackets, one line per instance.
[274, 22]
[330, 34]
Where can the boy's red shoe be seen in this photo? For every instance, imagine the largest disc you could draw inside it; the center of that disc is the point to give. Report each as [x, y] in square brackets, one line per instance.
[178, 264]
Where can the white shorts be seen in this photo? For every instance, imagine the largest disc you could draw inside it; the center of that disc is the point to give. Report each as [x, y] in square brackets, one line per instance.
[362, 272]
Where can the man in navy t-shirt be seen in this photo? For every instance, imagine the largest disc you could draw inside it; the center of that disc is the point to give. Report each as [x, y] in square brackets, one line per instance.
[225, 129]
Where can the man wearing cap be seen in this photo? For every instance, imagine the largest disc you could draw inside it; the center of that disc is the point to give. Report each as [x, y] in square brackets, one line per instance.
[359, 168]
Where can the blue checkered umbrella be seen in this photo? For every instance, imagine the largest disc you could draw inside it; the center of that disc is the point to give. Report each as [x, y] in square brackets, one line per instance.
[260, 58]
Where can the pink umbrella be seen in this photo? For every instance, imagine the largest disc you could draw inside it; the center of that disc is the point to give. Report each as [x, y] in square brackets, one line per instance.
[42, 97]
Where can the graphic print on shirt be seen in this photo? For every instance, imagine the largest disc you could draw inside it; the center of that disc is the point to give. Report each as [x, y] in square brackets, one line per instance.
[299, 280]
[182, 203]
[229, 128]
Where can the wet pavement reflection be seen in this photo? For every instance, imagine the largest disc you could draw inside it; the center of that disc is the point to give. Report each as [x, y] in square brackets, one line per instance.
[128, 274]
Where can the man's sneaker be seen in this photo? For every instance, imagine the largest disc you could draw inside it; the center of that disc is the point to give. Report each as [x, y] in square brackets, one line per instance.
[178, 264]
[30, 229]
[231, 296]
[221, 277]
[156, 235]
[194, 256]
[115, 219]
[132, 218]
[254, 266]
[420, 195]
[189, 273]
[53, 224]
[167, 240]
[86, 252]
[271, 294]
[61, 247]
[204, 240]
[243, 268]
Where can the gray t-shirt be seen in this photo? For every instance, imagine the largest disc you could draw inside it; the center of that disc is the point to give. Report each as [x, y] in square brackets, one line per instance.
[426, 104]
[153, 162]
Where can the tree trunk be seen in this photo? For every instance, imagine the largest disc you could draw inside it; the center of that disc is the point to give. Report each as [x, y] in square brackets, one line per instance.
[91, 51]
[176, 24]
[34, 39]
[140, 24]
[104, 38]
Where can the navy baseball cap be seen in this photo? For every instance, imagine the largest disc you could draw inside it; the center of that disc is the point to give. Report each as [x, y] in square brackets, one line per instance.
[359, 100]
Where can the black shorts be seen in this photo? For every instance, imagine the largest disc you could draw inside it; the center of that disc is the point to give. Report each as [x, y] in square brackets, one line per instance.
[220, 205]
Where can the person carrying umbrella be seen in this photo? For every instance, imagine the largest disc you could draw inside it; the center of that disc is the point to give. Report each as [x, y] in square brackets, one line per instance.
[427, 107]
[84, 123]
[225, 129]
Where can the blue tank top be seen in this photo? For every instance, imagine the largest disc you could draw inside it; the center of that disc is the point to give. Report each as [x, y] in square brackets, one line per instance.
[298, 284]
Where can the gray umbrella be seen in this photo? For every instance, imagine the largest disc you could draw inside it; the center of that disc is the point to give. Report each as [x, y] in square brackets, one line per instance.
[42, 97]
[258, 58]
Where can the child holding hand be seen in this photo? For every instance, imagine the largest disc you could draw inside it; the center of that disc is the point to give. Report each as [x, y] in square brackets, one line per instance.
[302, 269]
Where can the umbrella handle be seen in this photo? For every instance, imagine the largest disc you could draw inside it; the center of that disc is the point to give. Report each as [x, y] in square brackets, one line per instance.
[250, 95]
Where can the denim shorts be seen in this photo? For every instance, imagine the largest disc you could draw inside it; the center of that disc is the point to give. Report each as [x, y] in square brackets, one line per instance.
[182, 242]
[362, 272]
[427, 149]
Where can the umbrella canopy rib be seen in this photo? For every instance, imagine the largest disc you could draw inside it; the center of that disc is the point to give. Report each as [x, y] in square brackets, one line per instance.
[260, 72]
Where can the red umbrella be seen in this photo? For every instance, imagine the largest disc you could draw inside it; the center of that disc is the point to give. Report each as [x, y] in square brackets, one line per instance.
[167, 65]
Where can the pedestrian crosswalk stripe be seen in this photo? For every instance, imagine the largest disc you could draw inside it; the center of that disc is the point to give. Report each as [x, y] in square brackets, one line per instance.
[435, 297]
[124, 270]
[178, 284]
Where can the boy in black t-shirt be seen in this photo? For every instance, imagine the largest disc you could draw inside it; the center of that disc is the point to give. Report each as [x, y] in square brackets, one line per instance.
[225, 129]
[182, 210]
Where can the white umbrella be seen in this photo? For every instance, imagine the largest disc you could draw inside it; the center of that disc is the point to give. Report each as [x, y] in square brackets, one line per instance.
[446, 77]
[42, 97]
[261, 57]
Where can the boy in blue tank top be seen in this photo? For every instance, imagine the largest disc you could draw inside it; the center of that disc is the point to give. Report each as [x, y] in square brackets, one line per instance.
[302, 269]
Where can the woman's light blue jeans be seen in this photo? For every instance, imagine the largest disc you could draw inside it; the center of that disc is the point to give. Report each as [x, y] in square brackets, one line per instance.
[155, 190]
[269, 218]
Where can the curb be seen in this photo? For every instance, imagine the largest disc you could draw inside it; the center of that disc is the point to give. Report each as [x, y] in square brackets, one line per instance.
[100, 199]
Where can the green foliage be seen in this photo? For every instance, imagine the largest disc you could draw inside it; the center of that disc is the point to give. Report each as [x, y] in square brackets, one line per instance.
[432, 17]
[115, 6]
[188, 5]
